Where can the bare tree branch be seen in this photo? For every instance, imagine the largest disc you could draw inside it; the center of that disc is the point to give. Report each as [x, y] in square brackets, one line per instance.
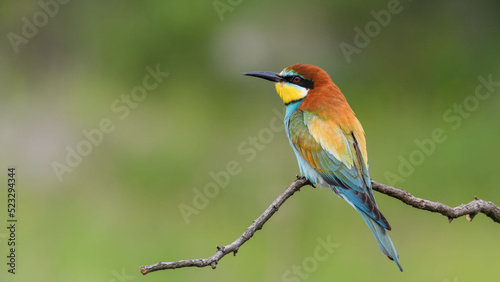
[469, 210]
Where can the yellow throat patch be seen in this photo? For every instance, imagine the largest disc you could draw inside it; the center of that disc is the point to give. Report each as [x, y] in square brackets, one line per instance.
[290, 92]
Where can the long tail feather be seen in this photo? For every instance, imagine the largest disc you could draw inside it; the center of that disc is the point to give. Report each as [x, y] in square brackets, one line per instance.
[383, 239]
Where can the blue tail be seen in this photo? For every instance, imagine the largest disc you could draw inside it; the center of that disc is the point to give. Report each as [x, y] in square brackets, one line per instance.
[383, 239]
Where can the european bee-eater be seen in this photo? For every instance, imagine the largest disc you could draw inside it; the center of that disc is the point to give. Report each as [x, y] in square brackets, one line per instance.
[329, 142]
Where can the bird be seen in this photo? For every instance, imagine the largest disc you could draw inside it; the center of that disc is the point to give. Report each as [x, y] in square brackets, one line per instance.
[329, 142]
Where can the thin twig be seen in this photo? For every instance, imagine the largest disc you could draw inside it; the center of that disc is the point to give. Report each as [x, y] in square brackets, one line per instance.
[469, 210]
[234, 246]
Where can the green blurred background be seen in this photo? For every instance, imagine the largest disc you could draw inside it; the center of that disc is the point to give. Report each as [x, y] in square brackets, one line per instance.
[120, 207]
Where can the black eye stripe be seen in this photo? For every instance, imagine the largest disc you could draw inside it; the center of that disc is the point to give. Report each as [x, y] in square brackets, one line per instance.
[306, 83]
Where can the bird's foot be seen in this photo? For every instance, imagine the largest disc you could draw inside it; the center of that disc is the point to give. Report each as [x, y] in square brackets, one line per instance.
[300, 177]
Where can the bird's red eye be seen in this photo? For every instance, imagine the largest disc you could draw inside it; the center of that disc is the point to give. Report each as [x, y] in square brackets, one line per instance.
[296, 78]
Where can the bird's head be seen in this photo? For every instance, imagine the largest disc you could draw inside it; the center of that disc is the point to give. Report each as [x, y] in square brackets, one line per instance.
[293, 83]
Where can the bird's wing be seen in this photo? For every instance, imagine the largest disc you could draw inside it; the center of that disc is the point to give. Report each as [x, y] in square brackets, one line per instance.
[336, 155]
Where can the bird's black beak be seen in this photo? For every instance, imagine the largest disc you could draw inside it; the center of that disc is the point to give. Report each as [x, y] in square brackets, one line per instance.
[271, 76]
